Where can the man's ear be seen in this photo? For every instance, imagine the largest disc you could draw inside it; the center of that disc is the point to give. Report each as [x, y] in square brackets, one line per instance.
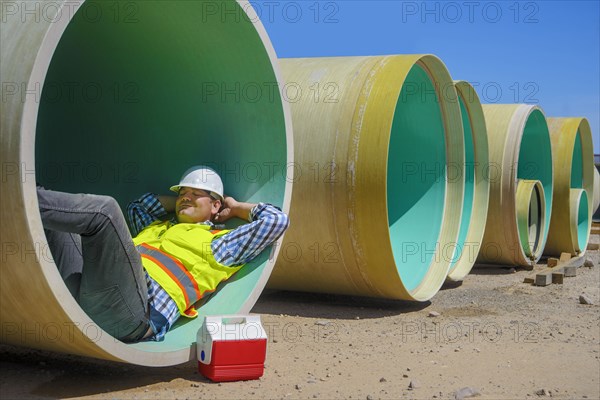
[216, 207]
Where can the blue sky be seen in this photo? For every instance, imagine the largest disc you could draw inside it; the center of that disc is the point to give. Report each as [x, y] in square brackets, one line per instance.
[539, 52]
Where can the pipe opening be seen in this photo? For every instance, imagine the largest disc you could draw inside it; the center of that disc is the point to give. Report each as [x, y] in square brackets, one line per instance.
[127, 107]
[416, 177]
[535, 158]
[596, 194]
[535, 219]
[583, 220]
[469, 174]
[577, 163]
[531, 216]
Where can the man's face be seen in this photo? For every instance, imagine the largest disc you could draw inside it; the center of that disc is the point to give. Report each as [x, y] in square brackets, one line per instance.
[195, 205]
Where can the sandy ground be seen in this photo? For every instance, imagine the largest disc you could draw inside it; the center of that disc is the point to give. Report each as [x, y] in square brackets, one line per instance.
[495, 334]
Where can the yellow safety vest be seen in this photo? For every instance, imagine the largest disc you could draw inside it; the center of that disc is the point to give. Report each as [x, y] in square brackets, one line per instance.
[179, 258]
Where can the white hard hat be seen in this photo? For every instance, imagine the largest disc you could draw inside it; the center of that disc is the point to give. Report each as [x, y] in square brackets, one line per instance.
[201, 177]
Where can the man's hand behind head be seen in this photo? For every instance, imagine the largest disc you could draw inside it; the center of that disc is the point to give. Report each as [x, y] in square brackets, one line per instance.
[234, 209]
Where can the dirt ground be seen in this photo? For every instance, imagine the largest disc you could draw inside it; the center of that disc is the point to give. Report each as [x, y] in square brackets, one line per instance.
[495, 334]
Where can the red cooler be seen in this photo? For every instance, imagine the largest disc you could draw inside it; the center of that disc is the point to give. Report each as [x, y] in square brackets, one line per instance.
[231, 348]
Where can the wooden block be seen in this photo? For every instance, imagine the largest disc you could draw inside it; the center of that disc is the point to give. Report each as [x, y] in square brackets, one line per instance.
[570, 271]
[552, 262]
[573, 263]
[564, 257]
[593, 246]
[558, 277]
[543, 279]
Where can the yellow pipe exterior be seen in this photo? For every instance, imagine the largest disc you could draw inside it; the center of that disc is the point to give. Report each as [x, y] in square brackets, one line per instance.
[477, 197]
[345, 201]
[573, 160]
[520, 148]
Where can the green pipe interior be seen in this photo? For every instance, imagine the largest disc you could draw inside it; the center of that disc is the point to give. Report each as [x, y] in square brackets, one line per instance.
[416, 177]
[469, 173]
[535, 221]
[148, 100]
[577, 164]
[583, 219]
[535, 158]
[530, 224]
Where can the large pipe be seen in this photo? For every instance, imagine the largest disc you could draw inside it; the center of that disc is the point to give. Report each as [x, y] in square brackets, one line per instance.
[376, 209]
[580, 219]
[573, 159]
[531, 216]
[596, 200]
[477, 183]
[119, 98]
[520, 148]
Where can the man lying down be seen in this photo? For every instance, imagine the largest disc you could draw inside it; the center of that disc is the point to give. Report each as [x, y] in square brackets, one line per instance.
[136, 288]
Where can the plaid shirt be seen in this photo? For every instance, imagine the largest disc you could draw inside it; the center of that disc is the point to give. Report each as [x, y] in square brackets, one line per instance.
[237, 247]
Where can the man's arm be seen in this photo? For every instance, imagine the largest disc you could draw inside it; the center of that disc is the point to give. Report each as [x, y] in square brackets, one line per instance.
[267, 224]
[232, 208]
[147, 209]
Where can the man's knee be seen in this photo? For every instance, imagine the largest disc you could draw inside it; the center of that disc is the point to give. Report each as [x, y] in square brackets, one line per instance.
[109, 212]
[107, 205]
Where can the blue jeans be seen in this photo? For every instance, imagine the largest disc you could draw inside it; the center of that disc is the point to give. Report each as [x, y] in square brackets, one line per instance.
[96, 257]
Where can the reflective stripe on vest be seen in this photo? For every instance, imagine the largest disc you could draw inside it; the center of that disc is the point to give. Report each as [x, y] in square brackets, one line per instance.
[176, 271]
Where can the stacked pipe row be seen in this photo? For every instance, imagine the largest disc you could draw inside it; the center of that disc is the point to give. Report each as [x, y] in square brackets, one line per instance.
[513, 209]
